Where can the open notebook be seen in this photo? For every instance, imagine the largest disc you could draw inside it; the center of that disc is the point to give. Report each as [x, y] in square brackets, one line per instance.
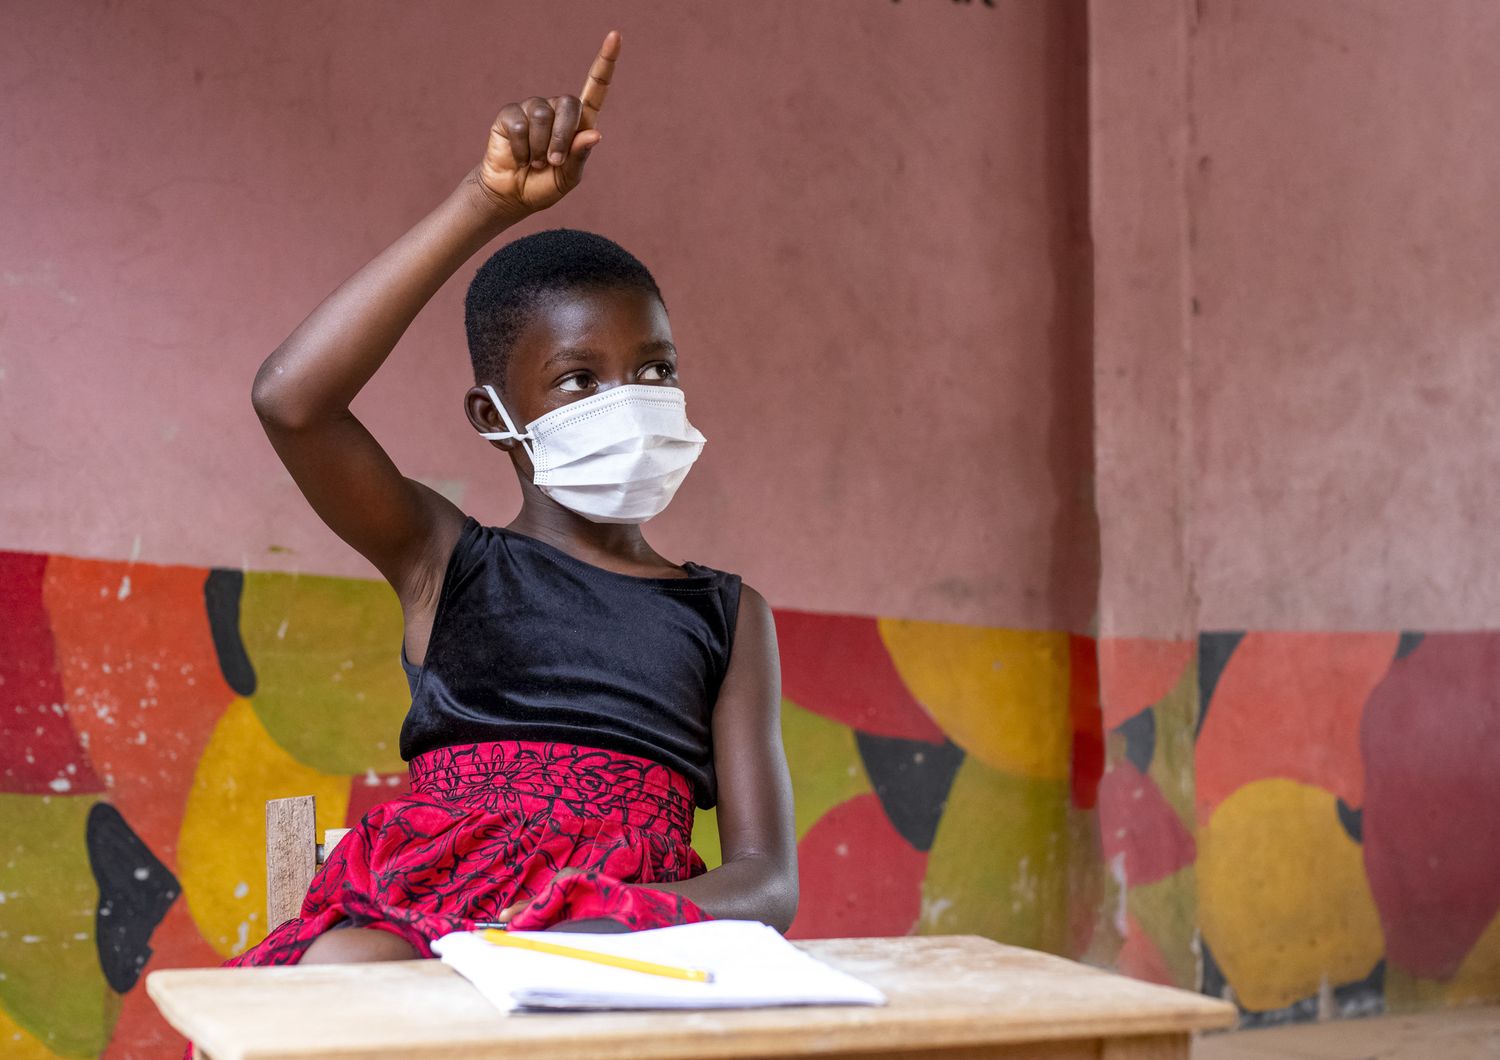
[752, 967]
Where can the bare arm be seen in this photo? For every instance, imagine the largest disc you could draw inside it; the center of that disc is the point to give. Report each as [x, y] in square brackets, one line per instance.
[758, 878]
[302, 392]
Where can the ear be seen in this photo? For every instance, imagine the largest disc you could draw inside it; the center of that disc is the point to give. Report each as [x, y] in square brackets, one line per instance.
[484, 417]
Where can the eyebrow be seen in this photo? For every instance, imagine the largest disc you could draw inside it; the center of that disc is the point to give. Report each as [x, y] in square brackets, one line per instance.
[587, 354]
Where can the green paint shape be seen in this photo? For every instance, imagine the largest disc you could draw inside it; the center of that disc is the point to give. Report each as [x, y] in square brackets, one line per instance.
[1176, 730]
[329, 685]
[1167, 912]
[706, 837]
[826, 770]
[824, 762]
[998, 865]
[52, 986]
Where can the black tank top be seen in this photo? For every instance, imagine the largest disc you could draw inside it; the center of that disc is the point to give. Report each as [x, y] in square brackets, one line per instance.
[529, 643]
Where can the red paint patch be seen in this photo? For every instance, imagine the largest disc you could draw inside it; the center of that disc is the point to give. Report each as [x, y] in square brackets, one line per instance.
[1137, 672]
[1288, 705]
[1136, 821]
[837, 666]
[1431, 741]
[142, 681]
[859, 877]
[1087, 721]
[1140, 958]
[364, 796]
[141, 1030]
[41, 752]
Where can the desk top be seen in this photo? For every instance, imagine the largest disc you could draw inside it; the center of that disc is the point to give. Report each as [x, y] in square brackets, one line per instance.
[944, 991]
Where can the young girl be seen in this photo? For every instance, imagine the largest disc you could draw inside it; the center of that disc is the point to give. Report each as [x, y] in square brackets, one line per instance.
[573, 692]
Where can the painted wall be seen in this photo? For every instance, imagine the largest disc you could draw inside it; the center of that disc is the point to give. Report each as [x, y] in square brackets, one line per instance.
[946, 276]
[1296, 337]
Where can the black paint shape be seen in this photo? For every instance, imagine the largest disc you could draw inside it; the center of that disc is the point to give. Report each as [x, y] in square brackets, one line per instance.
[1353, 821]
[1214, 650]
[135, 892]
[1363, 997]
[1213, 977]
[1410, 640]
[912, 779]
[1139, 731]
[221, 597]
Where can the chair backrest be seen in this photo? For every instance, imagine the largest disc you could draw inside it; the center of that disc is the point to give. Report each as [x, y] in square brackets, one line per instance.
[291, 855]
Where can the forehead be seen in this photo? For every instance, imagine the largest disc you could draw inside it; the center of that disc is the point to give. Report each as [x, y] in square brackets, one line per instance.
[614, 322]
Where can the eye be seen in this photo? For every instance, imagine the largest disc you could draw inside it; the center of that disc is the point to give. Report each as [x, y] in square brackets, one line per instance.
[658, 371]
[576, 382]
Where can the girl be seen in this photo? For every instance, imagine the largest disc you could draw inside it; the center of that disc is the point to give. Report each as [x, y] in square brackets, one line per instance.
[573, 692]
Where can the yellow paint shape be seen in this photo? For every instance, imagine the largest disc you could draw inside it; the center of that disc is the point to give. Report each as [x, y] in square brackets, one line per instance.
[1478, 978]
[1283, 900]
[222, 848]
[1000, 694]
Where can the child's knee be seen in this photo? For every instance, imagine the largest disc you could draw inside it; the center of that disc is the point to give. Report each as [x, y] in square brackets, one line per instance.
[357, 945]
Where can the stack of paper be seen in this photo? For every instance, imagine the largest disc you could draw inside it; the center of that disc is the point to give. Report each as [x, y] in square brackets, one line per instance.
[752, 967]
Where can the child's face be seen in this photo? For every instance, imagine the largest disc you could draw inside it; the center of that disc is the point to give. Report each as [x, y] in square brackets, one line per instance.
[579, 343]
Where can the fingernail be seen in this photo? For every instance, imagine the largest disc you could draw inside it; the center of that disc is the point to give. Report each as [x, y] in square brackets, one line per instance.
[555, 158]
[538, 164]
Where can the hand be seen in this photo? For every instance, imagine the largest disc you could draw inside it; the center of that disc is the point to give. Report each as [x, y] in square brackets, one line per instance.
[537, 147]
[506, 915]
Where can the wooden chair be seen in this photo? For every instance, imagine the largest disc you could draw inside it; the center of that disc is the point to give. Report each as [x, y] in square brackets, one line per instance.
[293, 854]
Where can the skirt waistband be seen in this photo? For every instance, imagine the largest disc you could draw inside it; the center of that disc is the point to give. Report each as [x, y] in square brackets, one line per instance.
[559, 778]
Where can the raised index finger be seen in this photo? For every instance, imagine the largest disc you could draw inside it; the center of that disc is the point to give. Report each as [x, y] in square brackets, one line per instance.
[597, 85]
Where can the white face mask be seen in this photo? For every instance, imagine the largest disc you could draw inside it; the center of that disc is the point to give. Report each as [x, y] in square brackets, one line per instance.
[614, 457]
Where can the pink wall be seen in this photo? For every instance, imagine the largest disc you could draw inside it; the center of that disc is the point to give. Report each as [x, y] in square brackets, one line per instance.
[1343, 198]
[862, 214]
[1293, 210]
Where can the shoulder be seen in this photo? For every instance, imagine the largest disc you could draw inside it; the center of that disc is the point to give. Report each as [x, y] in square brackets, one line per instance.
[755, 626]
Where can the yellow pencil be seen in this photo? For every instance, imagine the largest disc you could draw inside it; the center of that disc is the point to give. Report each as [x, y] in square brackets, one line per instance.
[501, 938]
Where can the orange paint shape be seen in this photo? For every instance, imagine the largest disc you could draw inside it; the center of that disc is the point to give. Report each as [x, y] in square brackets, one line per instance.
[142, 682]
[1135, 672]
[1288, 705]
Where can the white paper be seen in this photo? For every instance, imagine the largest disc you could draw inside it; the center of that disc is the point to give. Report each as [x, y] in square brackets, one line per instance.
[752, 966]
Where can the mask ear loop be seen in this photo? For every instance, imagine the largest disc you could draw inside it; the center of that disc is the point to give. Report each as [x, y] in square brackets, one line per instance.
[510, 431]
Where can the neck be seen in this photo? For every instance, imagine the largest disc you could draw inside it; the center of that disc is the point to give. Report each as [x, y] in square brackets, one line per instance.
[546, 520]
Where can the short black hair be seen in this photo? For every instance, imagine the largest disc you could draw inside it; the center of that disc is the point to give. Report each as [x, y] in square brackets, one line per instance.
[519, 276]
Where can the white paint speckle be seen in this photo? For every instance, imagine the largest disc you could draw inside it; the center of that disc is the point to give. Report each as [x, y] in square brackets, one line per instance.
[61, 784]
[124, 588]
[142, 873]
[281, 630]
[241, 889]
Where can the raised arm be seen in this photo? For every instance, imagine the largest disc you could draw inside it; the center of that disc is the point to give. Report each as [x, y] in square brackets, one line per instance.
[535, 156]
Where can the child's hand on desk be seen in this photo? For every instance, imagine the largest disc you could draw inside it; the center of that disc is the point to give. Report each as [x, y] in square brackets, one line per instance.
[506, 915]
[537, 147]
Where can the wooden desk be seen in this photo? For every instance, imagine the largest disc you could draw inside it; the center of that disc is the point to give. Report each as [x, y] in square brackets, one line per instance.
[951, 997]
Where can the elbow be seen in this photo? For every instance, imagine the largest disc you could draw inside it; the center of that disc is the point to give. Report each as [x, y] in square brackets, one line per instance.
[272, 397]
[782, 898]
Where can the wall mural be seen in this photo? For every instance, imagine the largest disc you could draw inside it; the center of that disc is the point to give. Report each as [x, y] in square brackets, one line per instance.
[1306, 838]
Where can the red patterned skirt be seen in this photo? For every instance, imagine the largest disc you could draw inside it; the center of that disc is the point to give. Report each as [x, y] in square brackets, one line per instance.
[492, 824]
